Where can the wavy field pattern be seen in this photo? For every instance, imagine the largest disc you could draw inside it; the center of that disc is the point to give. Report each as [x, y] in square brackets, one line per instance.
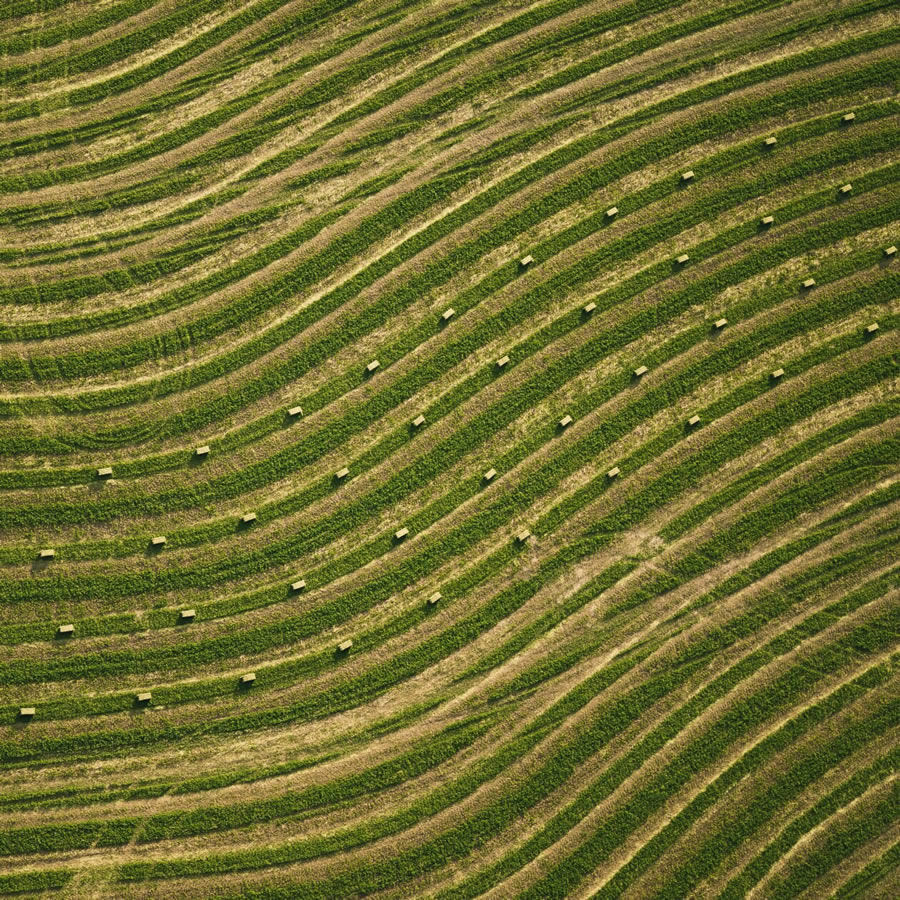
[450, 450]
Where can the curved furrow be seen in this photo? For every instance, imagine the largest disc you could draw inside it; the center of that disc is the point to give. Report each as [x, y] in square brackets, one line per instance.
[588, 588]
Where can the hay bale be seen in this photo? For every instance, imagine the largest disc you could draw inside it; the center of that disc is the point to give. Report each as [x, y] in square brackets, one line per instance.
[681, 260]
[694, 420]
[249, 678]
[767, 220]
[846, 188]
[890, 251]
[565, 421]
[344, 646]
[640, 371]
[847, 118]
[589, 308]
[502, 361]
[159, 541]
[202, 451]
[26, 712]
[523, 536]
[187, 615]
[66, 629]
[687, 176]
[720, 324]
[295, 411]
[871, 329]
[248, 518]
[418, 421]
[341, 473]
[400, 534]
[448, 314]
[372, 366]
[526, 261]
[778, 373]
[297, 586]
[146, 697]
[105, 472]
[490, 475]
[47, 554]
[612, 212]
[613, 472]
[809, 283]
[770, 142]
[434, 598]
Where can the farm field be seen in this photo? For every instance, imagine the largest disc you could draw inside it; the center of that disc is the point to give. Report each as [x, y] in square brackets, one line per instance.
[450, 449]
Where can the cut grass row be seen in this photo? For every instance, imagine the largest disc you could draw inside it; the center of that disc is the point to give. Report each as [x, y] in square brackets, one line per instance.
[595, 350]
[49, 35]
[252, 135]
[458, 842]
[21, 479]
[172, 260]
[569, 461]
[677, 31]
[150, 190]
[291, 111]
[440, 646]
[293, 852]
[847, 792]
[838, 845]
[705, 858]
[308, 450]
[389, 219]
[841, 565]
[167, 826]
[780, 695]
[105, 88]
[870, 417]
[424, 755]
[69, 64]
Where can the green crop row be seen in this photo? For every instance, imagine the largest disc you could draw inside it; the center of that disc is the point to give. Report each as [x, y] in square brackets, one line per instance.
[198, 420]
[37, 880]
[174, 299]
[838, 844]
[463, 839]
[797, 680]
[573, 457]
[19, 479]
[403, 666]
[706, 857]
[818, 56]
[542, 50]
[180, 94]
[526, 59]
[838, 566]
[305, 849]
[133, 78]
[867, 418]
[68, 64]
[95, 362]
[643, 80]
[509, 407]
[870, 875]
[50, 35]
[314, 446]
[172, 260]
[846, 793]
[251, 136]
[419, 759]
[64, 708]
[182, 824]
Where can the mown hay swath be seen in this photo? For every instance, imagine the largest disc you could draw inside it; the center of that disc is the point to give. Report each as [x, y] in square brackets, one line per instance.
[679, 679]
